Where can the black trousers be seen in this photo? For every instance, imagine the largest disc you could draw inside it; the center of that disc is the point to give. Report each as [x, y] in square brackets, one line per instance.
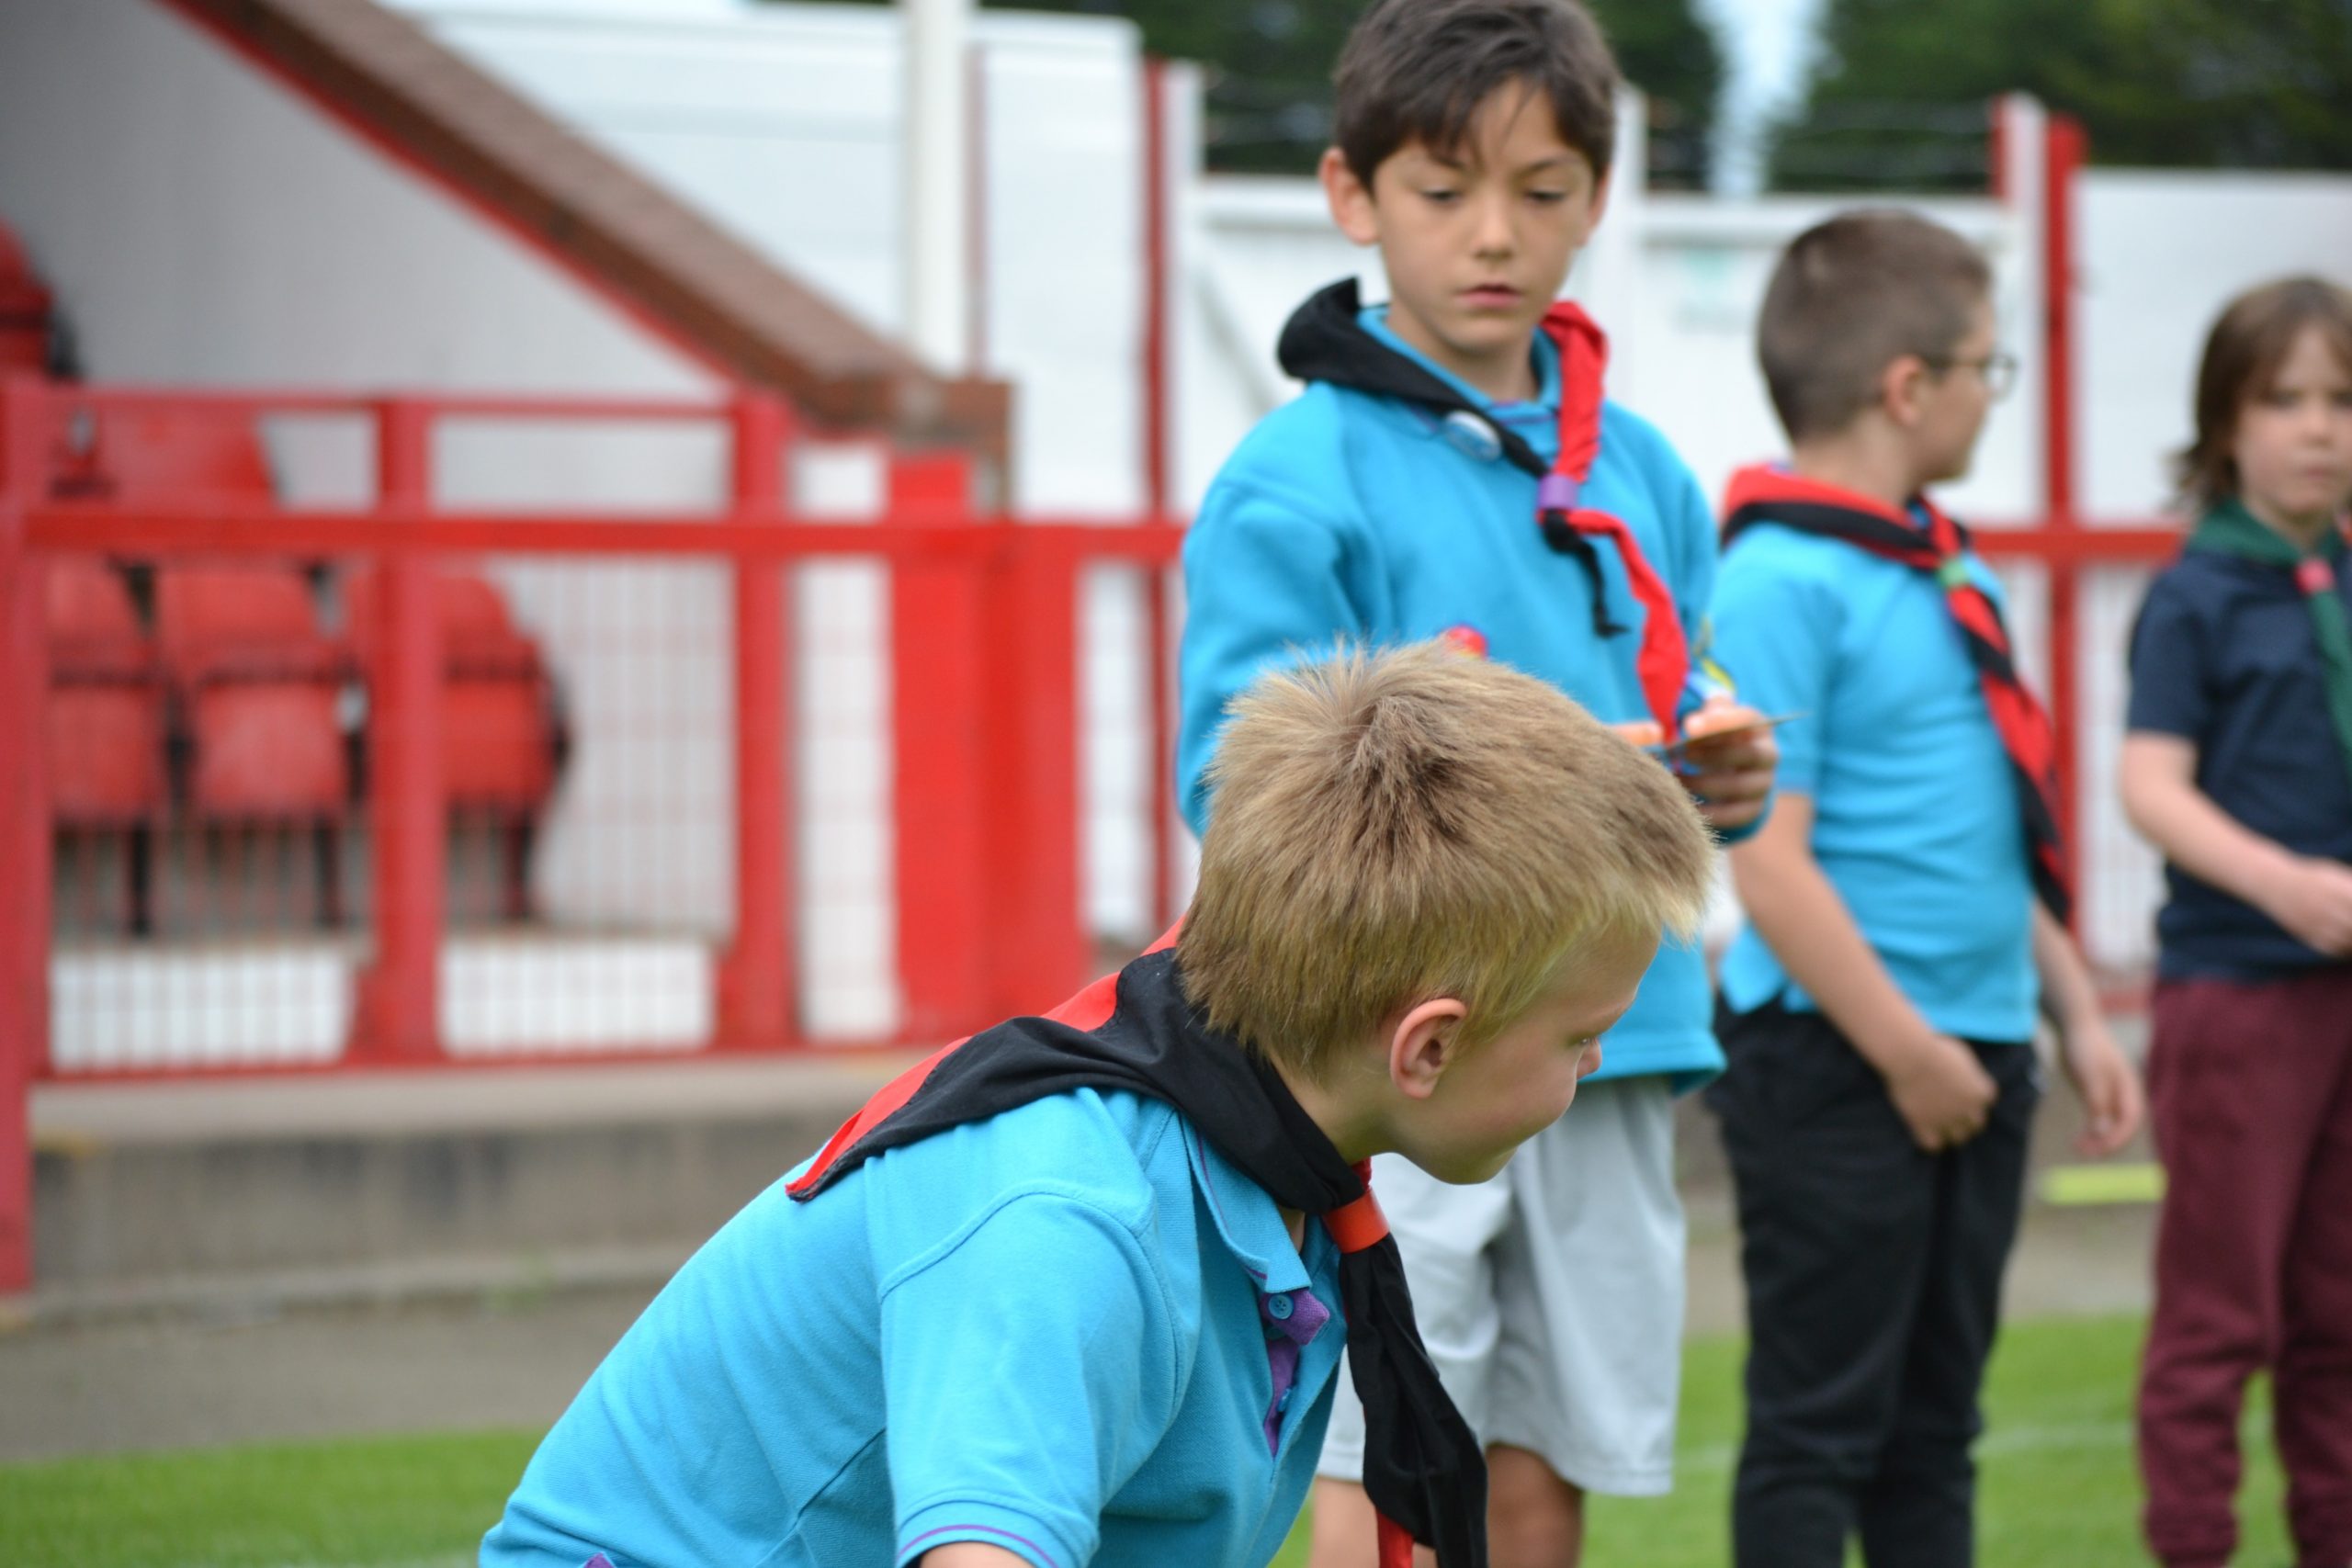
[1874, 1287]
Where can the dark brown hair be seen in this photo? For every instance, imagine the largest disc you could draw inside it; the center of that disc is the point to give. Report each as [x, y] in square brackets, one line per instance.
[1851, 295]
[2256, 332]
[1417, 71]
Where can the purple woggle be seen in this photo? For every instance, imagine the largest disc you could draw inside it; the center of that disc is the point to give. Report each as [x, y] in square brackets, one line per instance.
[1557, 493]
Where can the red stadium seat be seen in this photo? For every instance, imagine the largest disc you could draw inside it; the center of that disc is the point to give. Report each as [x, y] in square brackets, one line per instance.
[251, 686]
[174, 454]
[105, 718]
[502, 736]
[258, 687]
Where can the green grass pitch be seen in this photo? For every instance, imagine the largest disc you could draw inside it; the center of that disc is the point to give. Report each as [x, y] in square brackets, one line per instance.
[2058, 1490]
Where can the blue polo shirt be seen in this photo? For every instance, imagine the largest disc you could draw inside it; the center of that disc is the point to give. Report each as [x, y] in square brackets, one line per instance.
[1915, 818]
[1059, 1331]
[1346, 515]
[2224, 656]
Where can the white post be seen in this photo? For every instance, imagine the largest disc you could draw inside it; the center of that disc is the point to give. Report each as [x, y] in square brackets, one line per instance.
[933, 177]
[2023, 180]
[1607, 278]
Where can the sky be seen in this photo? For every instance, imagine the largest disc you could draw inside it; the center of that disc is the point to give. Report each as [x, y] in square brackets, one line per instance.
[1764, 44]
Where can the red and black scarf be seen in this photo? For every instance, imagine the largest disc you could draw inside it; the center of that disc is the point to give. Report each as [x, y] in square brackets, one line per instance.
[1135, 1030]
[1765, 494]
[1326, 341]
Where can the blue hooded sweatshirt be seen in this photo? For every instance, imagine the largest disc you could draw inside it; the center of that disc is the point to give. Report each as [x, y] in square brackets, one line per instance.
[1348, 514]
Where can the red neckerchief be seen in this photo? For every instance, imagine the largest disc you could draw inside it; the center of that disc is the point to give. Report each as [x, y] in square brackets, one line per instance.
[1764, 495]
[1326, 340]
[1663, 662]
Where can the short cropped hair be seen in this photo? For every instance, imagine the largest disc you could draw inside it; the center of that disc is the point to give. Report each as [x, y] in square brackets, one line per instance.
[2244, 352]
[1386, 828]
[1418, 70]
[1850, 296]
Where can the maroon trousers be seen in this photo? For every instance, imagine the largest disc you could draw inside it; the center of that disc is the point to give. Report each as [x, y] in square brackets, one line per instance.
[2250, 1092]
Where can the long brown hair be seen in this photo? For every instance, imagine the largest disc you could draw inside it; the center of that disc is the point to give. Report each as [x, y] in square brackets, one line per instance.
[2251, 340]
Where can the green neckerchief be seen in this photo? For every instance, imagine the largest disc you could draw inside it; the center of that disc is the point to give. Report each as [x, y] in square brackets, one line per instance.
[2229, 530]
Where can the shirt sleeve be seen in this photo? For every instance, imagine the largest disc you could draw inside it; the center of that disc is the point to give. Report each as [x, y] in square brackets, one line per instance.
[1776, 634]
[1695, 557]
[1029, 1368]
[1263, 585]
[2171, 694]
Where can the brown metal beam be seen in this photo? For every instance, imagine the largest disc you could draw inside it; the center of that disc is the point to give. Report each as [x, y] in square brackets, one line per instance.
[668, 264]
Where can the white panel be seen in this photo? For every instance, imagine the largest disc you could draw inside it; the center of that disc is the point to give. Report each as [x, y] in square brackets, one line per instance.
[2123, 878]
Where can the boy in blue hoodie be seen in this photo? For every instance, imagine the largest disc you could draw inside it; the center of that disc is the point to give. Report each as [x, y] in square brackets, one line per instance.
[1454, 470]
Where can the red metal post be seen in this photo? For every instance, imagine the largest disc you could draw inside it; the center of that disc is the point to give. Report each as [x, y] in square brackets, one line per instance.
[24, 819]
[755, 977]
[940, 611]
[1029, 783]
[1162, 771]
[2065, 146]
[399, 1011]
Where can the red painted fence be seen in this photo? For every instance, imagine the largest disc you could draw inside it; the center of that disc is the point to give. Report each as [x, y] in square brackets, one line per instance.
[983, 720]
[983, 715]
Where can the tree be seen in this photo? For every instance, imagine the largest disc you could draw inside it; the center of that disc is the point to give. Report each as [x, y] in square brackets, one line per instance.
[1270, 72]
[1896, 98]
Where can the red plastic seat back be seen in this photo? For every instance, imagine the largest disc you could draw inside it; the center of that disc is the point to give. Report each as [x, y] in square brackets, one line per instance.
[478, 636]
[105, 754]
[94, 630]
[241, 622]
[164, 455]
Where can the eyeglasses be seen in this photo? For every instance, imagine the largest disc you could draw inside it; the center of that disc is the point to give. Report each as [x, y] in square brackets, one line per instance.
[1999, 371]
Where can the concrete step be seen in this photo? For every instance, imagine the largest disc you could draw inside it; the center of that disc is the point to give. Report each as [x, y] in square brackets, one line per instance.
[357, 1186]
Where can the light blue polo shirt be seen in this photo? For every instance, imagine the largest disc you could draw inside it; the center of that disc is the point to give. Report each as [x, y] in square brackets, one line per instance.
[1915, 818]
[1050, 1331]
[1343, 514]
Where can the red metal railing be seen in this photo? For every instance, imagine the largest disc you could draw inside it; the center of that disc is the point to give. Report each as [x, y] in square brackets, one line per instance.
[982, 714]
[982, 718]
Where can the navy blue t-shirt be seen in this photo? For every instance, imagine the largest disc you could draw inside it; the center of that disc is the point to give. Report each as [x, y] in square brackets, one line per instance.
[2223, 656]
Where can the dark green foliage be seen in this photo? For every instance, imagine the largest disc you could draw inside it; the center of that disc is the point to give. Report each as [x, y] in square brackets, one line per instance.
[1897, 96]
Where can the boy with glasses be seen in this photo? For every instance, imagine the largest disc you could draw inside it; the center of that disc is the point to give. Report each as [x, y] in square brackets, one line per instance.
[1906, 905]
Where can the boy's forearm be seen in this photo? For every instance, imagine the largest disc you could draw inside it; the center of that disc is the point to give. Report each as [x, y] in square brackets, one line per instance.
[2069, 996]
[1799, 914]
[971, 1554]
[2192, 832]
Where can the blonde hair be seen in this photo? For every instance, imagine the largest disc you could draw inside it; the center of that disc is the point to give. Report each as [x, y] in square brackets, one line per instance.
[1389, 826]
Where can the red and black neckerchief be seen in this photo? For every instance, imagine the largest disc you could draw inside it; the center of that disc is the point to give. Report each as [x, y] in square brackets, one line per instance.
[1135, 1030]
[1764, 495]
[1326, 341]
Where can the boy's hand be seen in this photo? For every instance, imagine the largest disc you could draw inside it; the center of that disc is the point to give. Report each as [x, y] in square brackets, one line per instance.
[2108, 1084]
[1731, 756]
[2314, 903]
[1941, 1091]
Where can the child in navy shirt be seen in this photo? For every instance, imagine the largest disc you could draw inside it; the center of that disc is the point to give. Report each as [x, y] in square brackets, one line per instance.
[2238, 766]
[1074, 1291]
[1905, 906]
[1455, 469]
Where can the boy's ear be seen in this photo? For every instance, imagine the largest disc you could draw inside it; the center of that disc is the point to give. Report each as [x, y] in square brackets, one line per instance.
[1425, 1042]
[1351, 201]
[1901, 386]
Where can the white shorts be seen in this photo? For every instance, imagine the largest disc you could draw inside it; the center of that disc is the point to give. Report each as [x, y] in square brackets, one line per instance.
[1550, 1297]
